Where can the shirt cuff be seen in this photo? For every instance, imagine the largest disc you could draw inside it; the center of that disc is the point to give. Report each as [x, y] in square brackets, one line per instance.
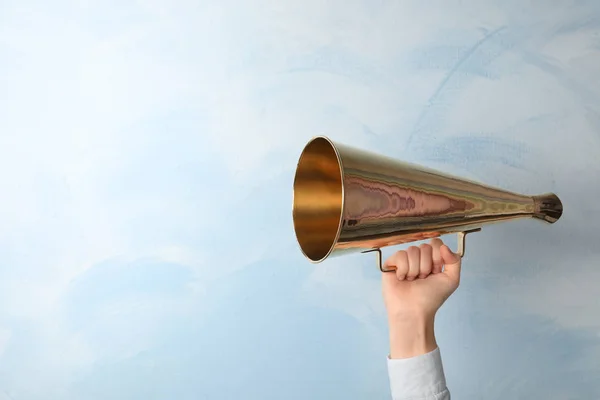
[416, 378]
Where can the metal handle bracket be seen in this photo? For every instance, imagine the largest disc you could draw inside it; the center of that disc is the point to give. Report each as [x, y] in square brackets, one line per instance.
[379, 260]
[461, 241]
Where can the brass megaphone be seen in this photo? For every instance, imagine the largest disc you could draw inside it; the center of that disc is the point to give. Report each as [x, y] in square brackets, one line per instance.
[347, 199]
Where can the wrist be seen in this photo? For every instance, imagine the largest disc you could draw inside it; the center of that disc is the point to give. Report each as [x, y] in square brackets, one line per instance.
[411, 336]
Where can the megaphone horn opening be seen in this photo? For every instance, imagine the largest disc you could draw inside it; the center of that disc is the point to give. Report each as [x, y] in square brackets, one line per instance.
[318, 199]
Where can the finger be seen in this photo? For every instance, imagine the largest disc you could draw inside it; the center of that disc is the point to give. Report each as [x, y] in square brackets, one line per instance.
[452, 263]
[389, 280]
[400, 260]
[436, 255]
[390, 263]
[426, 260]
[414, 262]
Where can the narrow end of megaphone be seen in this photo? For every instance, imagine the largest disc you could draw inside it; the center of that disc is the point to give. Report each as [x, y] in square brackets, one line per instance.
[547, 207]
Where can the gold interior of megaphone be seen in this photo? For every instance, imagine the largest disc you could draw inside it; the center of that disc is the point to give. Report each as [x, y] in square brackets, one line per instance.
[347, 199]
[318, 199]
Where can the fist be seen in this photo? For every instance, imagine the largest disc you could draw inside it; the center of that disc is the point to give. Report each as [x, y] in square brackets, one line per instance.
[422, 279]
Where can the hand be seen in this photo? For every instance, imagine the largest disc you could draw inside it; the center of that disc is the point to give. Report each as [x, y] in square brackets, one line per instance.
[425, 277]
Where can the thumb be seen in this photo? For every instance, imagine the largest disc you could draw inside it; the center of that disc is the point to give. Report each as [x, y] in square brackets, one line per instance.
[452, 263]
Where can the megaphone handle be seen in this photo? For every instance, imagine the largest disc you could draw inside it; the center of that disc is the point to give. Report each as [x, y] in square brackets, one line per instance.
[379, 259]
[461, 241]
[460, 251]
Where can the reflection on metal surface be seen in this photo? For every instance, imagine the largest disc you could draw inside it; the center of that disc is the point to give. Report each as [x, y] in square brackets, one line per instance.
[346, 199]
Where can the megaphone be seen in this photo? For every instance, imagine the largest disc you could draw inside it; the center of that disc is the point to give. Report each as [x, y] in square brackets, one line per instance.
[348, 200]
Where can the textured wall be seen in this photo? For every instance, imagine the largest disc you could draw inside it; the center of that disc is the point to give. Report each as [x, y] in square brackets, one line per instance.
[147, 152]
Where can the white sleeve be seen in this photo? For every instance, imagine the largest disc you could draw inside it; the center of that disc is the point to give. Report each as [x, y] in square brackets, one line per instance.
[418, 378]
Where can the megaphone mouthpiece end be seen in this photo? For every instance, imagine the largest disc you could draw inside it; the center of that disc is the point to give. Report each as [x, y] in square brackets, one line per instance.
[548, 207]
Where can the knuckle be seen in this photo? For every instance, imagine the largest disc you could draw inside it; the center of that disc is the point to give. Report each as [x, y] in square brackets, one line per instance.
[402, 257]
[401, 264]
[427, 249]
[399, 256]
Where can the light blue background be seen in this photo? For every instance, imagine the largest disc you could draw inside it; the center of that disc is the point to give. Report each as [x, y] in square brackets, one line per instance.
[147, 151]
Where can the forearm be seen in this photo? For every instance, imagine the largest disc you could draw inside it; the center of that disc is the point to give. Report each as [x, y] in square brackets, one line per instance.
[415, 365]
[411, 336]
